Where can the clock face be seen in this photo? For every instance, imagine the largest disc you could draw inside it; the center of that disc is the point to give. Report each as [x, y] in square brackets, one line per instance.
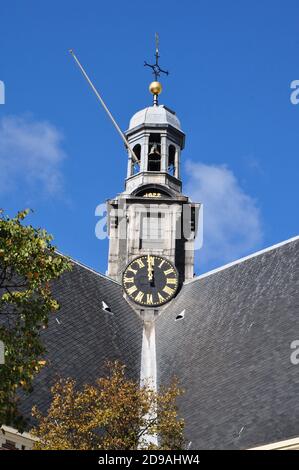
[150, 280]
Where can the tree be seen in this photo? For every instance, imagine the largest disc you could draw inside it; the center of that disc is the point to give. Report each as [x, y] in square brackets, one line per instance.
[114, 414]
[28, 263]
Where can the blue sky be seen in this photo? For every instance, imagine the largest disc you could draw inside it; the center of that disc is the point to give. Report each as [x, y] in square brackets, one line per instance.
[231, 64]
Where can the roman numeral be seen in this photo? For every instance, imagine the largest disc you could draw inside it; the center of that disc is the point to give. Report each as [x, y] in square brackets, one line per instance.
[160, 297]
[171, 280]
[149, 299]
[139, 296]
[128, 279]
[132, 270]
[162, 262]
[168, 290]
[131, 290]
[140, 263]
[169, 271]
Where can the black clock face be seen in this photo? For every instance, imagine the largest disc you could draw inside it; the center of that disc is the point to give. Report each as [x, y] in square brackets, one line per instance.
[150, 280]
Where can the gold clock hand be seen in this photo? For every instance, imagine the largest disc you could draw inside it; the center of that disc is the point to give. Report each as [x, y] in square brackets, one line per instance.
[149, 268]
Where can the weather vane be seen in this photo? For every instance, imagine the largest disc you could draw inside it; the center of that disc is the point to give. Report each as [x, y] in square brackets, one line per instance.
[156, 87]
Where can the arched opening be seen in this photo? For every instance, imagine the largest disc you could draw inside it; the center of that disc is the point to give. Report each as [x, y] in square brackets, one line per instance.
[154, 161]
[154, 156]
[136, 165]
[171, 159]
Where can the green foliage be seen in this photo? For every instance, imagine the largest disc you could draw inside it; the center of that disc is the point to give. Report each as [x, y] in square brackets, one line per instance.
[114, 414]
[28, 264]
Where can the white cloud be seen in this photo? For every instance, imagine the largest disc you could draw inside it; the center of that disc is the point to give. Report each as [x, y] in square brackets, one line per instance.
[30, 156]
[232, 221]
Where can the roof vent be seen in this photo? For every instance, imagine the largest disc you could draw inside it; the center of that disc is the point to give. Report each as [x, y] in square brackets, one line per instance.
[106, 307]
[181, 315]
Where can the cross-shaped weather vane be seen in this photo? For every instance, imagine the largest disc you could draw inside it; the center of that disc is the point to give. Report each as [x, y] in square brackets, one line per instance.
[156, 87]
[156, 67]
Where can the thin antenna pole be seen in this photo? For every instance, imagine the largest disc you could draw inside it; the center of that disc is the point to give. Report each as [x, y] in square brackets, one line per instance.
[105, 107]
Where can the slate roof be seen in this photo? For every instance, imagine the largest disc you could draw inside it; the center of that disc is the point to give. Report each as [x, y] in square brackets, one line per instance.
[81, 336]
[232, 351]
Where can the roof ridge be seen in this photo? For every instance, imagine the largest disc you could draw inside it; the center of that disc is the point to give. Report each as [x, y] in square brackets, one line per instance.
[87, 267]
[245, 258]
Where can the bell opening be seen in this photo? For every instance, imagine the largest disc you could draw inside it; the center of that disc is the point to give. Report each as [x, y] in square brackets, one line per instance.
[154, 156]
[171, 160]
[136, 165]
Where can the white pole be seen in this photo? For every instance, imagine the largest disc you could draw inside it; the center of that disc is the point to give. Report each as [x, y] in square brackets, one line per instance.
[105, 107]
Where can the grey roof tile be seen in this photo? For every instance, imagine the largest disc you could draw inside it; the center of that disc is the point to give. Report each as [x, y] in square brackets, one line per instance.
[86, 335]
[232, 351]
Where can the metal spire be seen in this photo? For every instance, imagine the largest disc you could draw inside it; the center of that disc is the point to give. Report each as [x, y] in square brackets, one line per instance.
[155, 87]
[156, 67]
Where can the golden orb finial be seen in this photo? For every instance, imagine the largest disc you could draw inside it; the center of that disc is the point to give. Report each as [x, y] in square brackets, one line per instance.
[155, 88]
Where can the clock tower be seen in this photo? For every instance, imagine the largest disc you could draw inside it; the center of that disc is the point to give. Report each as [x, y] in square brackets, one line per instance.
[152, 219]
[152, 225]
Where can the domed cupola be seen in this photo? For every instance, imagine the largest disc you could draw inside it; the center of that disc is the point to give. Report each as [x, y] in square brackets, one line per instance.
[157, 140]
[155, 115]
